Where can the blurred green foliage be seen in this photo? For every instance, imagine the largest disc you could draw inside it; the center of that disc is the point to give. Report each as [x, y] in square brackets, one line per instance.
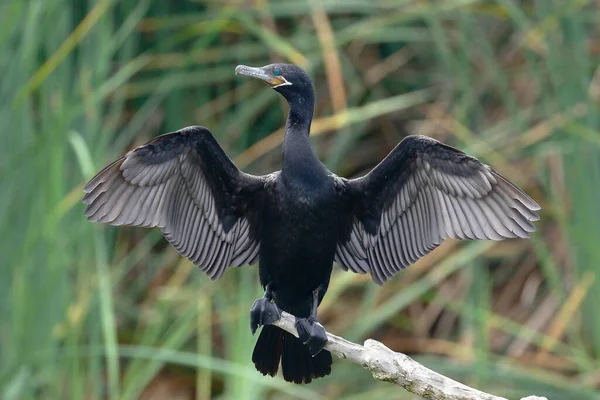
[92, 312]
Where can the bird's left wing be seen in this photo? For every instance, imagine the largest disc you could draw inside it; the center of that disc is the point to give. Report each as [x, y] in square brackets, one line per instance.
[183, 183]
[422, 193]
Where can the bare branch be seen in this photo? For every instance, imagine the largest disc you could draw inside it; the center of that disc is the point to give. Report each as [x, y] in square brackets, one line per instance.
[389, 366]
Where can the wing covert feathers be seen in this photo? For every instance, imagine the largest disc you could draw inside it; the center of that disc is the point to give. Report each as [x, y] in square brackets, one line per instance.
[438, 193]
[165, 183]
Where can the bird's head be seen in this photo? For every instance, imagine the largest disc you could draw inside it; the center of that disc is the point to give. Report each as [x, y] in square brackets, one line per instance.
[288, 79]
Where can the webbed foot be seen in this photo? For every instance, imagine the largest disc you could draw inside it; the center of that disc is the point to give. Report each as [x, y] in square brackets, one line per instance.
[263, 312]
[312, 334]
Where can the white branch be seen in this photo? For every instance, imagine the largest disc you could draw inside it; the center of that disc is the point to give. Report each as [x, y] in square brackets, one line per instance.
[389, 366]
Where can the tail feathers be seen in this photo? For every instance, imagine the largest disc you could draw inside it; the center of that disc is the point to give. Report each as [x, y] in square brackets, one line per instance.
[267, 350]
[321, 364]
[297, 364]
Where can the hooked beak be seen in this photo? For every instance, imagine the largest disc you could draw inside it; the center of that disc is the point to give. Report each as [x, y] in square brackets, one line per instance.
[261, 74]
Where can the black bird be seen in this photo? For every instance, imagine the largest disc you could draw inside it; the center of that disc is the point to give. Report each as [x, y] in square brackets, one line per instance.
[297, 221]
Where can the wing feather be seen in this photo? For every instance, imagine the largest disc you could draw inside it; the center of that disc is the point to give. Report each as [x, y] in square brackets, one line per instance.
[423, 193]
[167, 183]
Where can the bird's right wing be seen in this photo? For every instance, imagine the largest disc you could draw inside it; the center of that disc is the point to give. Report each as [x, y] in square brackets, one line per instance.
[422, 193]
[183, 183]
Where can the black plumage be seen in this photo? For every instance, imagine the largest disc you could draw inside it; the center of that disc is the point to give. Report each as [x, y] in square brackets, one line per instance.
[297, 221]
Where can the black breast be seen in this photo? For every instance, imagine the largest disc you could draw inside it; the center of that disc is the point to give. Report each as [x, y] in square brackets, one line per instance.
[298, 241]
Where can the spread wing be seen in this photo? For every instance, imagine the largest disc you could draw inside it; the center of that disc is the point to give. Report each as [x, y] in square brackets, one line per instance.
[422, 193]
[183, 183]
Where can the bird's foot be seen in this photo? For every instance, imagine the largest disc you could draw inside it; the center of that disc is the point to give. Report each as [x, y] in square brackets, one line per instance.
[263, 312]
[312, 334]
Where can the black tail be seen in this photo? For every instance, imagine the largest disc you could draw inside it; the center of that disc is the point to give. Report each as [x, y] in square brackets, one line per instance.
[297, 364]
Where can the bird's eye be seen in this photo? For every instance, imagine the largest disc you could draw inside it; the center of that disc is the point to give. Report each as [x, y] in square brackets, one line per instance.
[277, 72]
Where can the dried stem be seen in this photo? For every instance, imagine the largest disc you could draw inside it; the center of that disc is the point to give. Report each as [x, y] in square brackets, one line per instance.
[389, 366]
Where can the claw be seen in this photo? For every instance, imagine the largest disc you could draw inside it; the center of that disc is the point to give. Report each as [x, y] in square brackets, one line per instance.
[312, 334]
[263, 312]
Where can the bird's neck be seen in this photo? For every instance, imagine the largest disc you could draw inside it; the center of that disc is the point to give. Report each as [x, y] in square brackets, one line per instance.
[299, 159]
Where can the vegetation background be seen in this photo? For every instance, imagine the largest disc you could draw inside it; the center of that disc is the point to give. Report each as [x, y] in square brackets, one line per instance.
[94, 312]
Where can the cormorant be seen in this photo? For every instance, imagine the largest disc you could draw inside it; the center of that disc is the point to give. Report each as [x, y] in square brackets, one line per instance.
[297, 221]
